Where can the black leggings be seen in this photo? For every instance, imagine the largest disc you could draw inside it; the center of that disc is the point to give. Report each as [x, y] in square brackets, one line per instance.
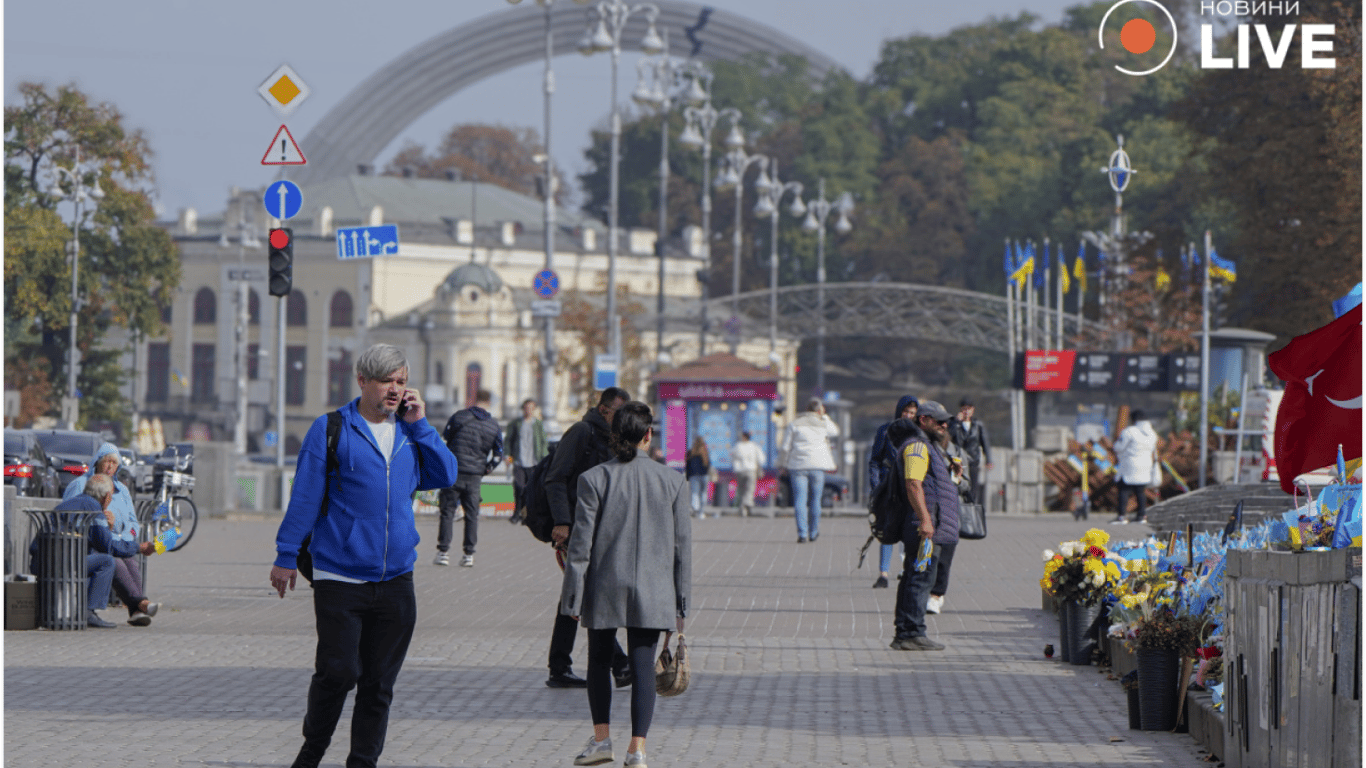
[1140, 491]
[640, 644]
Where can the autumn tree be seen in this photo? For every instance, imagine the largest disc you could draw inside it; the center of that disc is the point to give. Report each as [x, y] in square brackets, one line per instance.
[493, 154]
[129, 267]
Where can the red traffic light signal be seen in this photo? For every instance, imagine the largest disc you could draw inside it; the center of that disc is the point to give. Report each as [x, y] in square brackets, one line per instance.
[281, 261]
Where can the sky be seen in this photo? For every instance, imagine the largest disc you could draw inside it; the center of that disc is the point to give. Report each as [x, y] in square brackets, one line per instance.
[185, 72]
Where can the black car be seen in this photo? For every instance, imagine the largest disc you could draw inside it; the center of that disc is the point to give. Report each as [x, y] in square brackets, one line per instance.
[70, 451]
[27, 466]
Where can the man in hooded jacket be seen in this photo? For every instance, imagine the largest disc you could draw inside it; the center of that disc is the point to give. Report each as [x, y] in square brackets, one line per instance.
[881, 460]
[477, 442]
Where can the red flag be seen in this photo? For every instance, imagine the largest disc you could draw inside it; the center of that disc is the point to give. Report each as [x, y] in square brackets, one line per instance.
[1321, 407]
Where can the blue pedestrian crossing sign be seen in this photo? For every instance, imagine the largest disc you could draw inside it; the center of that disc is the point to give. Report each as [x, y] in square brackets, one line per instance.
[365, 242]
[546, 284]
[283, 199]
[604, 371]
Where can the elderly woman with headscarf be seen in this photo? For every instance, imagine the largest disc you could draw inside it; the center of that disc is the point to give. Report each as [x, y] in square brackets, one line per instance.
[124, 534]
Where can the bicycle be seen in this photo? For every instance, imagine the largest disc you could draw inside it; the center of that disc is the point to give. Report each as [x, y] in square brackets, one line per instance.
[170, 509]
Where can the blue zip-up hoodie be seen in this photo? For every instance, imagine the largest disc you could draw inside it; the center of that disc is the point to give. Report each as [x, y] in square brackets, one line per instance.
[369, 532]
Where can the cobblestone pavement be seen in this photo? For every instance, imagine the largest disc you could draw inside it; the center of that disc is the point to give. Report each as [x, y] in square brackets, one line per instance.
[790, 664]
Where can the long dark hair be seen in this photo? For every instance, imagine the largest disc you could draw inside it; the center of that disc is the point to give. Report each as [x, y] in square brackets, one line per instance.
[699, 448]
[630, 425]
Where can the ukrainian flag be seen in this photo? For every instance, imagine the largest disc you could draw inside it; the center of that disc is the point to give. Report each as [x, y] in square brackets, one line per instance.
[1222, 268]
[1079, 269]
[1164, 280]
[1062, 272]
[1024, 267]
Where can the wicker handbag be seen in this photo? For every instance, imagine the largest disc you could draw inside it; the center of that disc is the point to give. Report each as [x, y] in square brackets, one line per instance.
[671, 671]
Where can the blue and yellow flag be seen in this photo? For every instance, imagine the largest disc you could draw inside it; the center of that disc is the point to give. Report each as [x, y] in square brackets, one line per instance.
[1164, 280]
[1024, 267]
[1007, 262]
[1062, 272]
[1222, 268]
[1079, 269]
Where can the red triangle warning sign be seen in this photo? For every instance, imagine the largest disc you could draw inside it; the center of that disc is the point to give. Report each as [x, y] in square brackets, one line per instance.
[284, 150]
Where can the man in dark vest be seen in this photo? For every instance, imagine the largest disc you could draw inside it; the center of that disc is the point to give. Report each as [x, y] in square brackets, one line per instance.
[477, 442]
[933, 515]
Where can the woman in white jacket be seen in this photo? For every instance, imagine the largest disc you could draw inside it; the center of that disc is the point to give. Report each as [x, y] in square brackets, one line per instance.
[807, 458]
[1137, 452]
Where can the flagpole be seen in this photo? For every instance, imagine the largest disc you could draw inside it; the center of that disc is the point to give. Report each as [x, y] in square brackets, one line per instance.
[1029, 342]
[1045, 303]
[1010, 351]
[1062, 270]
[1081, 288]
[1204, 363]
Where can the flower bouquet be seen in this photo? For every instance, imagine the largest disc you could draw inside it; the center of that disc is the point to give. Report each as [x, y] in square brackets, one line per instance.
[1079, 571]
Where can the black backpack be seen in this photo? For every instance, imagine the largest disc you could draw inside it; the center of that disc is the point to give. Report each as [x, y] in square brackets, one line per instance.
[535, 503]
[888, 506]
[304, 562]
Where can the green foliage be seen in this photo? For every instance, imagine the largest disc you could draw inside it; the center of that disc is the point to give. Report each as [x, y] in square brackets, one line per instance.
[129, 267]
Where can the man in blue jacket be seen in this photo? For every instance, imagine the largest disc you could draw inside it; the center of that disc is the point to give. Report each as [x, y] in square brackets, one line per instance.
[363, 548]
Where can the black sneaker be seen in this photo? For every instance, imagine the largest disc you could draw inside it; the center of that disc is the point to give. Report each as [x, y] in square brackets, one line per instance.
[623, 677]
[565, 679]
[881, 583]
[801, 539]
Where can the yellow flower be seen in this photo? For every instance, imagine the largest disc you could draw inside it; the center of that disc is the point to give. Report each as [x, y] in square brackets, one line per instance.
[1130, 601]
[1093, 565]
[1112, 570]
[1096, 538]
[1051, 566]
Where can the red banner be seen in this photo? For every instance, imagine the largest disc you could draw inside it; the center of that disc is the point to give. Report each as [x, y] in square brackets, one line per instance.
[1048, 370]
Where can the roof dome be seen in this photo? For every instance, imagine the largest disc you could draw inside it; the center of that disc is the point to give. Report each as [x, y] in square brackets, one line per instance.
[473, 274]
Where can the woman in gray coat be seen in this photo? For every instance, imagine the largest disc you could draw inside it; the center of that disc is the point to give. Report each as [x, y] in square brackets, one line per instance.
[629, 565]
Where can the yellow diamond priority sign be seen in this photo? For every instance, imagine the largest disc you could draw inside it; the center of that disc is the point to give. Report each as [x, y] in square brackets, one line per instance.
[284, 90]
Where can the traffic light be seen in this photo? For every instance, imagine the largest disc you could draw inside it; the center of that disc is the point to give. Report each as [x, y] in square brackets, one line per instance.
[281, 261]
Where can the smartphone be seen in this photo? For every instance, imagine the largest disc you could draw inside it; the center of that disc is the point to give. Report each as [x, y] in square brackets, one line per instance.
[402, 406]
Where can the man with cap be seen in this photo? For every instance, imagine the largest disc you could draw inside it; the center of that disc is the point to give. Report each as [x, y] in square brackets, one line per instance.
[971, 436]
[933, 516]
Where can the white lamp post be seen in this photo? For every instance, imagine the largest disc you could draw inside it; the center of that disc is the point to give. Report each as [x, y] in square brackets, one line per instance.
[735, 164]
[80, 192]
[697, 133]
[606, 36]
[816, 212]
[771, 190]
[246, 238]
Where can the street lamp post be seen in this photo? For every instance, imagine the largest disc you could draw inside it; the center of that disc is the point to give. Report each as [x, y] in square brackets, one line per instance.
[606, 36]
[665, 79]
[79, 193]
[246, 238]
[816, 212]
[697, 133]
[736, 163]
[771, 190]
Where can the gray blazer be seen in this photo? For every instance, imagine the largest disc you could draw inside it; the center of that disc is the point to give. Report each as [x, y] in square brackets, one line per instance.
[631, 567]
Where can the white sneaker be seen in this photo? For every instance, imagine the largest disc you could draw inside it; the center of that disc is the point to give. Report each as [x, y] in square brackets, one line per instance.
[467, 561]
[635, 759]
[595, 753]
[934, 604]
[442, 559]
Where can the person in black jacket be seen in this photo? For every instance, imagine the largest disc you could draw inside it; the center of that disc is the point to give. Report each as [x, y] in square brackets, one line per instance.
[477, 442]
[585, 445]
[971, 436]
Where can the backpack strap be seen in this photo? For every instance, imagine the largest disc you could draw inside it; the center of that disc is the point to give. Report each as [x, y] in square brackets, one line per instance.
[334, 424]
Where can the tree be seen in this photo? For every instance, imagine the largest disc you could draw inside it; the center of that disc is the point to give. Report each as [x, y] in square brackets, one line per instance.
[493, 154]
[129, 267]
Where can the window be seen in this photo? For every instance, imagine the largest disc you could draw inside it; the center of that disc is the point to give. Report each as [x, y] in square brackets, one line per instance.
[166, 314]
[253, 308]
[201, 374]
[341, 310]
[253, 361]
[473, 375]
[292, 444]
[158, 372]
[296, 311]
[294, 373]
[339, 379]
[438, 372]
[205, 307]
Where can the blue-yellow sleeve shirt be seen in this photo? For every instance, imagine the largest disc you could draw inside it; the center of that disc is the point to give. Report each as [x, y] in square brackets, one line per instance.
[916, 459]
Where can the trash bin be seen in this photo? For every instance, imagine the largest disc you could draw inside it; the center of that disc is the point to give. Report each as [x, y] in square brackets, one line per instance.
[60, 565]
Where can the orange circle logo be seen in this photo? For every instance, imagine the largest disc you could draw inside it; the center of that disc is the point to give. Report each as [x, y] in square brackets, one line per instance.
[1137, 36]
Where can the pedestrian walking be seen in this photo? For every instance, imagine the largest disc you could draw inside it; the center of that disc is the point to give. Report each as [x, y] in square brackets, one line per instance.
[477, 442]
[807, 457]
[363, 546]
[629, 565]
[698, 471]
[586, 444]
[882, 459]
[526, 446]
[1137, 452]
[933, 516]
[971, 435]
[746, 459]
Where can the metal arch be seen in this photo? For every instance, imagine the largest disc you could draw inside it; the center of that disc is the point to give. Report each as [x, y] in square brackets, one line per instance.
[895, 310]
[374, 113]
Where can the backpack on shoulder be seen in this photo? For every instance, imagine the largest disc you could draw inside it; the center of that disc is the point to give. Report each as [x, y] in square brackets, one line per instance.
[304, 562]
[536, 504]
[888, 506]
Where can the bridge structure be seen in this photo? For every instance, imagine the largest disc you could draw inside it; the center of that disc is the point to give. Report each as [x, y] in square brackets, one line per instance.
[898, 311]
[377, 111]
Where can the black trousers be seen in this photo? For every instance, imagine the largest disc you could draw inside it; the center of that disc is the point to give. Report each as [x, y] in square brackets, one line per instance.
[466, 495]
[519, 477]
[562, 645]
[1141, 491]
[363, 636]
[979, 483]
[601, 656]
[943, 562]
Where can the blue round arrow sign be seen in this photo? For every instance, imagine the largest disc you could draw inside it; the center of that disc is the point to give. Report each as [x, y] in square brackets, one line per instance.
[283, 199]
[546, 284]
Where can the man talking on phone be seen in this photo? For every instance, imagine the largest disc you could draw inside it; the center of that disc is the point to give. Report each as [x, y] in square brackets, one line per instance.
[363, 546]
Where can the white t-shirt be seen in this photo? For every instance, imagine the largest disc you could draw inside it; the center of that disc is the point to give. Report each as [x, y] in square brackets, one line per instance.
[384, 438]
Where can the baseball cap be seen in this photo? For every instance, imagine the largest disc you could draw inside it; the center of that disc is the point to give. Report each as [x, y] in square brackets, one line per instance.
[934, 410]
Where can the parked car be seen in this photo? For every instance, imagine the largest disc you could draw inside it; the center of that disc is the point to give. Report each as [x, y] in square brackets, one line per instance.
[136, 472]
[28, 467]
[70, 451]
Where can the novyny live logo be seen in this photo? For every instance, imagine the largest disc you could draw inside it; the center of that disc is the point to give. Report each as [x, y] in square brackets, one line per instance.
[1138, 36]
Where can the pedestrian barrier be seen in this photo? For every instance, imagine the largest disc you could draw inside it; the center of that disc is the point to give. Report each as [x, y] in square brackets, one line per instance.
[61, 567]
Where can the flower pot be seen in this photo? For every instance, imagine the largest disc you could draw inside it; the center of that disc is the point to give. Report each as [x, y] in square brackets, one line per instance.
[1064, 638]
[1135, 710]
[1081, 629]
[1157, 687]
